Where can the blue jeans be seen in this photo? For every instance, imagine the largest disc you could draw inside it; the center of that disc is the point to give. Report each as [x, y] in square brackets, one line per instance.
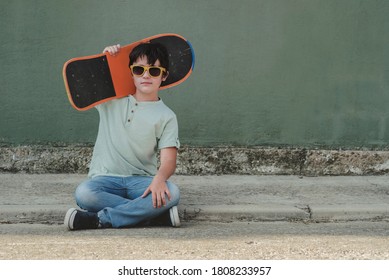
[118, 202]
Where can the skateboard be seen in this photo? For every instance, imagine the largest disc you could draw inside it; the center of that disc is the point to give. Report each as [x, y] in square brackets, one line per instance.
[95, 79]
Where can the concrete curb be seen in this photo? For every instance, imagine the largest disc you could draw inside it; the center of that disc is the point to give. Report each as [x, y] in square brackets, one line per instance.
[39, 214]
[271, 212]
[54, 214]
[355, 212]
[45, 198]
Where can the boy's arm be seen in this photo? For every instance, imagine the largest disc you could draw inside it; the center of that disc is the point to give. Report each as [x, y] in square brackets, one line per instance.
[158, 187]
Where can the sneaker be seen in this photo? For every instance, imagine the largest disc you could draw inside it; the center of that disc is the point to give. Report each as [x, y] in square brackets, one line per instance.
[77, 219]
[174, 218]
[168, 218]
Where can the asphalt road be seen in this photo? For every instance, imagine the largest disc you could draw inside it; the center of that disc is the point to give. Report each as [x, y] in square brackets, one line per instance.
[201, 240]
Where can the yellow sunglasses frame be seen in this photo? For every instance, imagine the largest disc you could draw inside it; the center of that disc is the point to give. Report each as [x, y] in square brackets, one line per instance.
[146, 68]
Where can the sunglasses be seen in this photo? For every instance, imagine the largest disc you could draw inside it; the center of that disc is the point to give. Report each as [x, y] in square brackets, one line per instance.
[154, 71]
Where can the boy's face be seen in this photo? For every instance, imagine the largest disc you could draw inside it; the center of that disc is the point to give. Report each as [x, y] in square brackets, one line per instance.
[146, 84]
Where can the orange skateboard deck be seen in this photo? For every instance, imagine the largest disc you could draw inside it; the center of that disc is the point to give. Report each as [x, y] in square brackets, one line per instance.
[95, 79]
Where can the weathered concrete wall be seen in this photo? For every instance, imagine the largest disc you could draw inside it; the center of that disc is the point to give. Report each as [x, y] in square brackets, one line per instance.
[205, 161]
[306, 73]
[268, 73]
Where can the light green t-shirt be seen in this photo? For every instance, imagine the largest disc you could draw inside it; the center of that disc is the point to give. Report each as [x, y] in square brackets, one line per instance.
[130, 135]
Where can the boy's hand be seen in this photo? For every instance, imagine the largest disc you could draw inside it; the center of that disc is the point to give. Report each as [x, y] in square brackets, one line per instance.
[159, 191]
[158, 187]
[112, 50]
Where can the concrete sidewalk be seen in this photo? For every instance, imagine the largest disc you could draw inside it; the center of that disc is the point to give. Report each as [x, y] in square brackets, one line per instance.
[45, 198]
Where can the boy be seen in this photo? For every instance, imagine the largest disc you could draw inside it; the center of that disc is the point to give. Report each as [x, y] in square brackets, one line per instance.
[125, 187]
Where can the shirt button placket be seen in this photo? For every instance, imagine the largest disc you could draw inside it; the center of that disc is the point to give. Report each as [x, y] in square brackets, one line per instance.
[132, 112]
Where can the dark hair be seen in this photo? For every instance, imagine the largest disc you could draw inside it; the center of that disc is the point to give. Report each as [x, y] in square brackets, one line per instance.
[153, 52]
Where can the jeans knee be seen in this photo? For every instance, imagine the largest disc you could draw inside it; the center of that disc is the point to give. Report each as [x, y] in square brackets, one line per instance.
[174, 193]
[85, 197]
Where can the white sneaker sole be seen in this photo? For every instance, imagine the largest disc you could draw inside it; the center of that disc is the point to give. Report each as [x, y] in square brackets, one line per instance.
[69, 218]
[174, 218]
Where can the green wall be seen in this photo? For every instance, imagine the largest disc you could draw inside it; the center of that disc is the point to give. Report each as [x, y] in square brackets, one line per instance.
[268, 72]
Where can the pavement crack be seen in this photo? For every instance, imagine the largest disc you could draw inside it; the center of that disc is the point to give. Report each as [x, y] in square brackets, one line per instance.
[190, 214]
[307, 209]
